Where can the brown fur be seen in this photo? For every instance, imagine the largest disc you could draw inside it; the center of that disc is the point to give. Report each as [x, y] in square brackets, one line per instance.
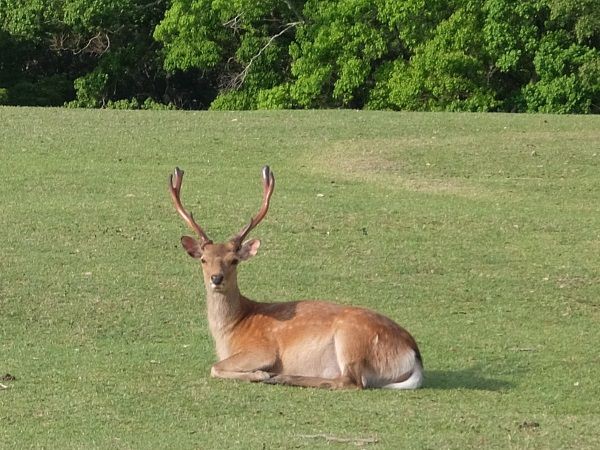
[306, 343]
[312, 344]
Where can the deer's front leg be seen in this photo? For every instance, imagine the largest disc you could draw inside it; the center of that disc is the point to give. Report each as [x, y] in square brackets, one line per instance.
[246, 366]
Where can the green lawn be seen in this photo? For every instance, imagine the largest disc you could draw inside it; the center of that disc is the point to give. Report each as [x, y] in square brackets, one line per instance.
[478, 233]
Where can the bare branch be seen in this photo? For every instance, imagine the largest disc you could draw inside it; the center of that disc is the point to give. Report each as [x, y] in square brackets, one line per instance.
[233, 23]
[294, 10]
[98, 44]
[239, 79]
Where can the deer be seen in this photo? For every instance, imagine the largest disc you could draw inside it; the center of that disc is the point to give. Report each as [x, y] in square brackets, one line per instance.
[299, 343]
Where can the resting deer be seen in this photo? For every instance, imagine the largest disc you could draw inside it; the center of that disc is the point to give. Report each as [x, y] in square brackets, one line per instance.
[303, 343]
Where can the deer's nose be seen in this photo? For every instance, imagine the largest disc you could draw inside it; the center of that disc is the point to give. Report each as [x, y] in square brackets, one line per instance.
[216, 279]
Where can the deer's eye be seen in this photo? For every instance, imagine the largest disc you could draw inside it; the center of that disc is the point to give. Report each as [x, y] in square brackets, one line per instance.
[202, 260]
[235, 261]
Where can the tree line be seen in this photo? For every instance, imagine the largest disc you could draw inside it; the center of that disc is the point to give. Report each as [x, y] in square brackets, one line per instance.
[435, 55]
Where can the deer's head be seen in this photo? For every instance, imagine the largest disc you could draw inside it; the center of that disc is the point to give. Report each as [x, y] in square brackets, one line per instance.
[219, 261]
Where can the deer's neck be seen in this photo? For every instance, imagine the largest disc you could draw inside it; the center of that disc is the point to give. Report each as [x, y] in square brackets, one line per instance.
[225, 309]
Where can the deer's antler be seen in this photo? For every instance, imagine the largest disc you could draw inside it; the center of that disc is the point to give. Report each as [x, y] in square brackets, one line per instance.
[175, 189]
[268, 185]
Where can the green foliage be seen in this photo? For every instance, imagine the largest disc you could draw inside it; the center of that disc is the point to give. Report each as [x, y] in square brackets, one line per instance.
[452, 55]
[25, 18]
[278, 97]
[234, 100]
[440, 55]
[103, 47]
[187, 34]
[581, 16]
[569, 77]
[240, 46]
[444, 73]
[3, 96]
[151, 104]
[90, 90]
[511, 31]
[148, 104]
[45, 91]
[334, 53]
[411, 22]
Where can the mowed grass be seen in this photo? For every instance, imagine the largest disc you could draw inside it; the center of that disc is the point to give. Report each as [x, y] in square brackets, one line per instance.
[478, 233]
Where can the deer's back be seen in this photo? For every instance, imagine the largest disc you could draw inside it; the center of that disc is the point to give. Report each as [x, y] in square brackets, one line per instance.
[312, 336]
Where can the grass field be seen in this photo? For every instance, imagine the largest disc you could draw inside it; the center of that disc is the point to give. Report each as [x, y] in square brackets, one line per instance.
[478, 233]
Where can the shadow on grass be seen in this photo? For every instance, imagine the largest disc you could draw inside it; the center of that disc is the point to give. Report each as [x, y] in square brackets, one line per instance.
[470, 378]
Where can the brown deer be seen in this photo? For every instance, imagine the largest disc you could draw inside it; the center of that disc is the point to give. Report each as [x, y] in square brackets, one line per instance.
[302, 343]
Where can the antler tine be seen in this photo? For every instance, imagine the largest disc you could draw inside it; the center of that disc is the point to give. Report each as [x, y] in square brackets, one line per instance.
[268, 187]
[175, 189]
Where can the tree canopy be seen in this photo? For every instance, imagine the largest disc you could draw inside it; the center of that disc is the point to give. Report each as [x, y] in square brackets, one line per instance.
[453, 55]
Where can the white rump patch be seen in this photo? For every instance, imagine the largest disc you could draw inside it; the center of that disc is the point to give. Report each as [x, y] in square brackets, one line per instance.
[413, 382]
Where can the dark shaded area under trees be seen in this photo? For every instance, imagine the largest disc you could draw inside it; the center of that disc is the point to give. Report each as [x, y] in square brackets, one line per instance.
[495, 55]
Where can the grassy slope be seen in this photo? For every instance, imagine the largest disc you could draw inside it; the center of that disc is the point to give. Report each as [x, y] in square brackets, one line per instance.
[479, 233]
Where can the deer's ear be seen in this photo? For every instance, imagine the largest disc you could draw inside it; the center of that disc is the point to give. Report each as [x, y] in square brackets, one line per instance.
[248, 249]
[191, 246]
